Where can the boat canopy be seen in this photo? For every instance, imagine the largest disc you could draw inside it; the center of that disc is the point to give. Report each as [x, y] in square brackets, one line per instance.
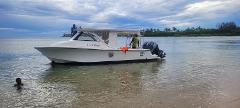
[109, 36]
[127, 32]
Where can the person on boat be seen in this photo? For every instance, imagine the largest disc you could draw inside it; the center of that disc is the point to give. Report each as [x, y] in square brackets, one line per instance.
[18, 84]
[135, 41]
[73, 30]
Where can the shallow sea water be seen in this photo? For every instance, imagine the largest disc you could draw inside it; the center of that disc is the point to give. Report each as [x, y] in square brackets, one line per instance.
[198, 72]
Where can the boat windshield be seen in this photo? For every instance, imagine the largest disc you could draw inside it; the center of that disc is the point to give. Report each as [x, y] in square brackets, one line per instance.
[86, 37]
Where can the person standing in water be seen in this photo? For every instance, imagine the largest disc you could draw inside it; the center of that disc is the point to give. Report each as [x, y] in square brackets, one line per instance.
[18, 84]
[135, 41]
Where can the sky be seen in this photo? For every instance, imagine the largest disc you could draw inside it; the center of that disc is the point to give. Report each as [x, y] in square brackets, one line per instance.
[54, 17]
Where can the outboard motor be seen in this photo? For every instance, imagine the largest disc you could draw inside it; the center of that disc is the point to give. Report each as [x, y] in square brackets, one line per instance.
[154, 49]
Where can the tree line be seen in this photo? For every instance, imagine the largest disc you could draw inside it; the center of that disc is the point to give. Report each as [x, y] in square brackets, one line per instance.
[222, 29]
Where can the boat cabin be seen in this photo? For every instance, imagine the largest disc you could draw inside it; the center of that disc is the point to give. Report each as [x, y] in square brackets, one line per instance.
[108, 36]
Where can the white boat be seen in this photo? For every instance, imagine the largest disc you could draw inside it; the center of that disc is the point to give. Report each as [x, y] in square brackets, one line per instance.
[96, 46]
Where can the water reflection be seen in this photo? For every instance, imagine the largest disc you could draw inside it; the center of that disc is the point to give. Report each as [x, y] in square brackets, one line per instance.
[102, 83]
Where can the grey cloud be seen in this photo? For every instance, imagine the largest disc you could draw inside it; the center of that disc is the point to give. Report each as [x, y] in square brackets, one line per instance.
[94, 12]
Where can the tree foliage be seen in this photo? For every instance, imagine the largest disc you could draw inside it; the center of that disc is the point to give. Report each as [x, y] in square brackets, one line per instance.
[223, 29]
[227, 27]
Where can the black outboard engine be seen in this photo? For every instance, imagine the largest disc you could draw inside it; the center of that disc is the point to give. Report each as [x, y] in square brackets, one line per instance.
[154, 49]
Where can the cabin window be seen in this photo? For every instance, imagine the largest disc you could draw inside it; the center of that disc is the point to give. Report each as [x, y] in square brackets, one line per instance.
[85, 37]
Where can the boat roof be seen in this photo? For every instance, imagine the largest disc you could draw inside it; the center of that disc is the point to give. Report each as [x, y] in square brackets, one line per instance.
[127, 31]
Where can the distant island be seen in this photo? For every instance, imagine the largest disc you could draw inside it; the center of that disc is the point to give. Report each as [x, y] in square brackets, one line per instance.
[222, 29]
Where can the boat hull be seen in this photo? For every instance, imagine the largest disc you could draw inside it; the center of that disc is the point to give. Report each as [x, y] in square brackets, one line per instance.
[80, 55]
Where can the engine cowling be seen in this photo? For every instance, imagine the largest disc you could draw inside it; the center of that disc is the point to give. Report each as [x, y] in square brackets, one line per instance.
[154, 49]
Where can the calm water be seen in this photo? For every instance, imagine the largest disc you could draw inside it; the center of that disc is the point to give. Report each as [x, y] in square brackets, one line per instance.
[198, 72]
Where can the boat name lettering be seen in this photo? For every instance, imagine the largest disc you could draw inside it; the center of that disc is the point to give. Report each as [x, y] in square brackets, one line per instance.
[93, 45]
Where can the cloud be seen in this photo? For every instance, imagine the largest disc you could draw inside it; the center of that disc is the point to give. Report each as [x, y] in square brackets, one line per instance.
[92, 10]
[176, 23]
[58, 15]
[48, 23]
[14, 30]
[6, 29]
[203, 12]
[211, 9]
[49, 6]
[106, 14]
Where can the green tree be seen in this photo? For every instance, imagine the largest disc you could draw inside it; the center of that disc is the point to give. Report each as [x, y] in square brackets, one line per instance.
[174, 29]
[167, 29]
[227, 27]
